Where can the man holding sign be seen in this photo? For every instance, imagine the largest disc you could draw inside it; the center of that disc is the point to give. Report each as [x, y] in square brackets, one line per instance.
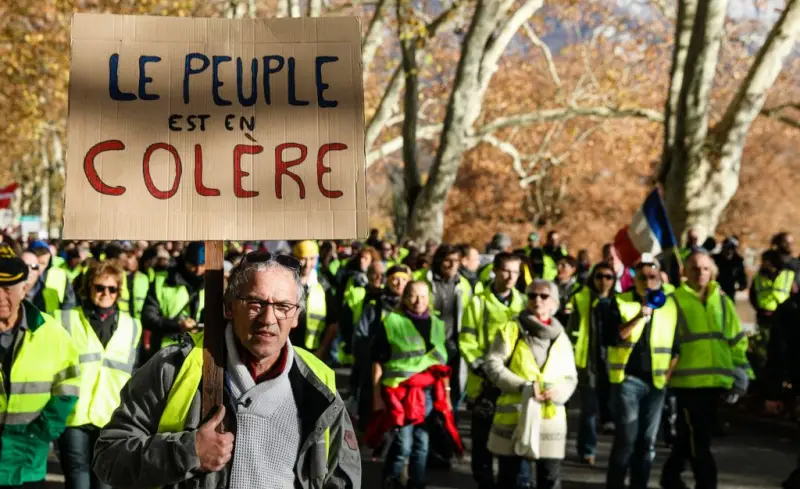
[291, 428]
[211, 130]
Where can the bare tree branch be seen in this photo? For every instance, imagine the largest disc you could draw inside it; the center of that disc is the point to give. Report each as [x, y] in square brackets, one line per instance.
[372, 40]
[732, 130]
[391, 96]
[548, 115]
[429, 132]
[408, 48]
[548, 55]
[499, 42]
[775, 113]
[386, 107]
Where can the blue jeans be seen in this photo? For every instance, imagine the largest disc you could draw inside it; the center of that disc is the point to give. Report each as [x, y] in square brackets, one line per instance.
[587, 423]
[76, 448]
[411, 443]
[637, 411]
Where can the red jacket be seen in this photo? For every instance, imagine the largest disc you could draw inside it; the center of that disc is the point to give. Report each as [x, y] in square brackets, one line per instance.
[405, 404]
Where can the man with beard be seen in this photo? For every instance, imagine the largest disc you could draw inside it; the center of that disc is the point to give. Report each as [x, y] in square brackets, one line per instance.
[281, 422]
[377, 304]
[175, 301]
[317, 328]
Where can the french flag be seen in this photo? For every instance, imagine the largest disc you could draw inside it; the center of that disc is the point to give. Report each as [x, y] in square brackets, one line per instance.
[649, 232]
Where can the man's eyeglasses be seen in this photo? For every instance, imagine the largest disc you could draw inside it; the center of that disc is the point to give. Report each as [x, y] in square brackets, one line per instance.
[604, 276]
[534, 295]
[112, 289]
[257, 307]
[264, 257]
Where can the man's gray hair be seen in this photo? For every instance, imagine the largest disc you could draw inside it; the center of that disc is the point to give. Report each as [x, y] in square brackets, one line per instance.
[540, 282]
[243, 273]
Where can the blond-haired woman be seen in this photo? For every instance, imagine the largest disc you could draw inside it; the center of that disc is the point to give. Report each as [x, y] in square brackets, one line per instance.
[108, 343]
[534, 360]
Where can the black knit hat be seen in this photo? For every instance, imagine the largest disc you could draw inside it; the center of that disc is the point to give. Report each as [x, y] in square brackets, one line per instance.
[12, 269]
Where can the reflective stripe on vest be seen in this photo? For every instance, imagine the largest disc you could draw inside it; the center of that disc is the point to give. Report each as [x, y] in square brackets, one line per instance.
[474, 340]
[44, 366]
[705, 359]
[316, 312]
[408, 349]
[55, 287]
[187, 382]
[557, 369]
[104, 371]
[772, 293]
[662, 337]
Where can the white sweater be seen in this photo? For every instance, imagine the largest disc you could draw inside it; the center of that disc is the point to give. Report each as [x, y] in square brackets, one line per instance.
[267, 425]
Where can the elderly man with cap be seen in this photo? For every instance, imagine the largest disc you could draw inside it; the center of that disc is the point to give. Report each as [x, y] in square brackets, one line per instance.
[281, 423]
[39, 371]
[52, 290]
[175, 301]
[641, 359]
[317, 327]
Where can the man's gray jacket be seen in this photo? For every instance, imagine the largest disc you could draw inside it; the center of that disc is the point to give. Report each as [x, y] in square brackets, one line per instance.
[130, 453]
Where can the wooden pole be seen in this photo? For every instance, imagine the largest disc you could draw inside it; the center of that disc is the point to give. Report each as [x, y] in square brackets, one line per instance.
[214, 339]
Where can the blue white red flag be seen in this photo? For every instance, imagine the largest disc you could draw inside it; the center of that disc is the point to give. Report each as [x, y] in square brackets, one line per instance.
[649, 232]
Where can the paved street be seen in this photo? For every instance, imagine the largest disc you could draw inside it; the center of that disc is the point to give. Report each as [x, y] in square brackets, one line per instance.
[758, 453]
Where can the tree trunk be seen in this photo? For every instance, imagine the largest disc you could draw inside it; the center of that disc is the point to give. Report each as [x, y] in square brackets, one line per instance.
[408, 47]
[294, 8]
[283, 9]
[490, 31]
[687, 196]
[314, 8]
[698, 194]
[44, 191]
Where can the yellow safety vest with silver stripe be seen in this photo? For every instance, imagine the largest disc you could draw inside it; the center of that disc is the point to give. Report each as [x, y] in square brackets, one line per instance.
[483, 317]
[55, 288]
[45, 365]
[104, 371]
[558, 368]
[712, 341]
[662, 337]
[772, 293]
[316, 311]
[408, 348]
[175, 302]
[582, 307]
[187, 382]
[135, 304]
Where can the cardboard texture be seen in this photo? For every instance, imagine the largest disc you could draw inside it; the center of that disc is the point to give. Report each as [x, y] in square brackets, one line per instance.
[211, 129]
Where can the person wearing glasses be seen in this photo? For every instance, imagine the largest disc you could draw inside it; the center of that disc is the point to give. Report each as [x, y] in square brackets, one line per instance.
[410, 376]
[52, 290]
[174, 304]
[107, 340]
[593, 325]
[532, 360]
[40, 374]
[493, 309]
[712, 368]
[641, 359]
[281, 424]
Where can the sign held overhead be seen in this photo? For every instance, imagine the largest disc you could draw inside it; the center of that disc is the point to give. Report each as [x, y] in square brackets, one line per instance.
[211, 129]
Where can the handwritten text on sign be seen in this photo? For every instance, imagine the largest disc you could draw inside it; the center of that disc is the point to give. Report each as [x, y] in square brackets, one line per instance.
[247, 129]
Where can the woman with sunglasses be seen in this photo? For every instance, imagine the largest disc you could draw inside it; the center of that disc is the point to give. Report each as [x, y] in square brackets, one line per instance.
[108, 343]
[593, 325]
[534, 360]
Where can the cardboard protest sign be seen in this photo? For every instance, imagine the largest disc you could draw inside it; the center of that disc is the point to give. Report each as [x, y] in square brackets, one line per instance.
[210, 129]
